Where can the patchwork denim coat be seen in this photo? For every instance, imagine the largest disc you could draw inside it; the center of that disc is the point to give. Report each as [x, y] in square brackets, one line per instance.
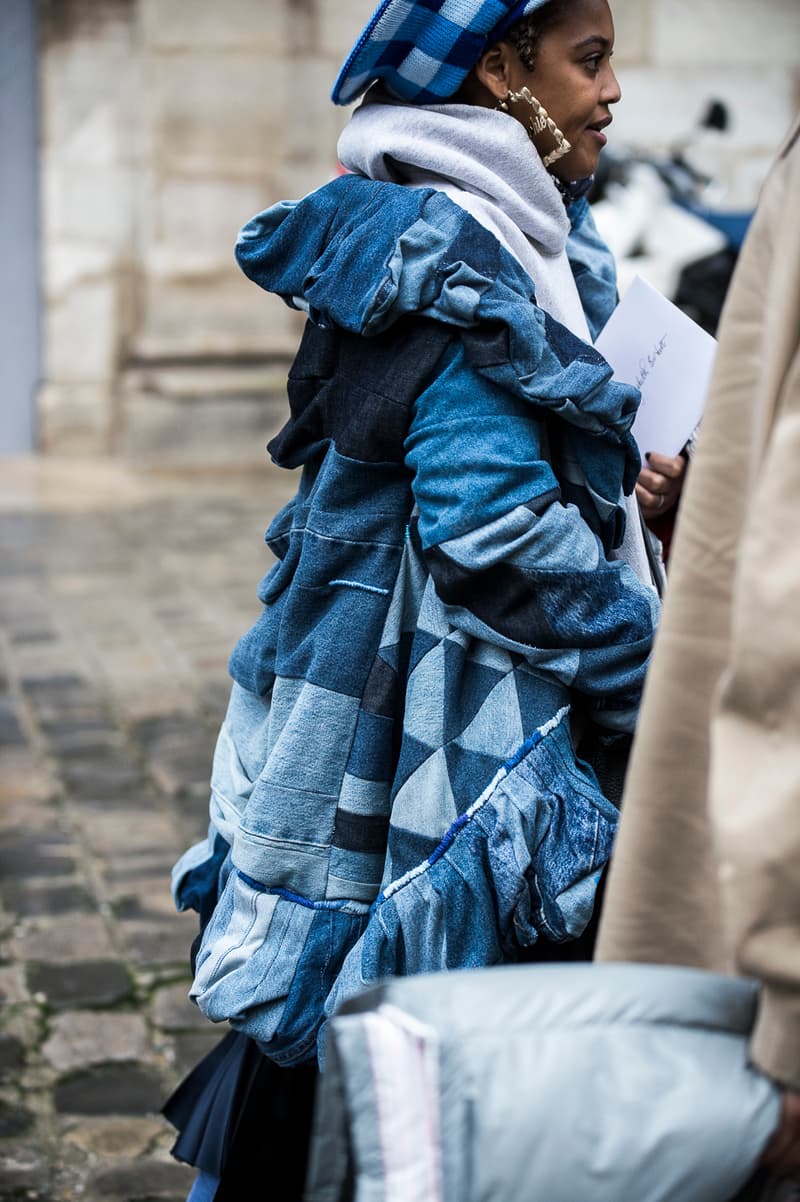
[395, 788]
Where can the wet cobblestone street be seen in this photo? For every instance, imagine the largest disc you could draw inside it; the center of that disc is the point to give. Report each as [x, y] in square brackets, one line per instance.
[121, 595]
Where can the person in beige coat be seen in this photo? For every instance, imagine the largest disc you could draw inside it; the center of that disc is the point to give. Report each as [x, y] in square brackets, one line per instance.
[706, 869]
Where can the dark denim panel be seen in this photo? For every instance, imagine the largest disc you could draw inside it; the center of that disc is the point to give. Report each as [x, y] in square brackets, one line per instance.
[504, 596]
[252, 661]
[470, 771]
[411, 846]
[341, 561]
[468, 683]
[539, 692]
[340, 565]
[364, 413]
[372, 756]
[307, 631]
[197, 888]
[383, 692]
[360, 832]
[570, 350]
[547, 609]
[349, 498]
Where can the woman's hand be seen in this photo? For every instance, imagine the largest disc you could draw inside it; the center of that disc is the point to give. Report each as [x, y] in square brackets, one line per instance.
[782, 1153]
[660, 483]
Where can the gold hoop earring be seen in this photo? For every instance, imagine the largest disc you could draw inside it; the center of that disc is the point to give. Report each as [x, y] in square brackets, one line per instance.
[540, 120]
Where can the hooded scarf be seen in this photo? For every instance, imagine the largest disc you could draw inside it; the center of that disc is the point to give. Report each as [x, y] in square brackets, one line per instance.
[485, 162]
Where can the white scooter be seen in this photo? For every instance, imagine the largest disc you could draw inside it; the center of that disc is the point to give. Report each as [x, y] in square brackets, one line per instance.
[662, 220]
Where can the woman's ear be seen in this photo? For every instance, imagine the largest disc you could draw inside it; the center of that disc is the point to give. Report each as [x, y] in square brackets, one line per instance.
[494, 69]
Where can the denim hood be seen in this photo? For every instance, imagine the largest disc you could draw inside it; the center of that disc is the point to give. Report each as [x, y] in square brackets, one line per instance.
[361, 255]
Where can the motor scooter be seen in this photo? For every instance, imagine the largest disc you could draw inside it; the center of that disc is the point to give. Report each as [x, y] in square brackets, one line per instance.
[664, 220]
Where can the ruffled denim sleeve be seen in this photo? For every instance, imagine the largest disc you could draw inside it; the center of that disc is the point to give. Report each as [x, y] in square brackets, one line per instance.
[515, 564]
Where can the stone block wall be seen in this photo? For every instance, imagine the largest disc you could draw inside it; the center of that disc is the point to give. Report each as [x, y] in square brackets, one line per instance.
[91, 158]
[167, 123]
[675, 55]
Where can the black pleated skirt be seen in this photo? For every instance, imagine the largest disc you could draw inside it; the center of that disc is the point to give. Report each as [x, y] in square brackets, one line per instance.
[245, 1120]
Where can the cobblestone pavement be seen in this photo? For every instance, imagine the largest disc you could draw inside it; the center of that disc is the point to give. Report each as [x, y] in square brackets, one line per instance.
[121, 594]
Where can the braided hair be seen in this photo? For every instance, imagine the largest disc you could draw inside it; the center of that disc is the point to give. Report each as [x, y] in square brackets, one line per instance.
[526, 35]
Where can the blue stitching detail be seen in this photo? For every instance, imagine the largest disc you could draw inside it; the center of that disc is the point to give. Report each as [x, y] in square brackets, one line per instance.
[248, 880]
[448, 839]
[297, 898]
[367, 588]
[507, 767]
[460, 822]
[523, 750]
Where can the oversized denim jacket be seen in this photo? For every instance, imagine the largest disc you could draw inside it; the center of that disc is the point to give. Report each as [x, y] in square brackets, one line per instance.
[394, 787]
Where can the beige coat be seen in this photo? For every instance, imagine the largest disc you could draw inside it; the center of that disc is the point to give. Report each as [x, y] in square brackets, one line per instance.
[706, 869]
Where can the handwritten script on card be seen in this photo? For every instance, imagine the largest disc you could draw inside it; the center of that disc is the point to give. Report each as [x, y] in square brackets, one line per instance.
[650, 343]
[647, 364]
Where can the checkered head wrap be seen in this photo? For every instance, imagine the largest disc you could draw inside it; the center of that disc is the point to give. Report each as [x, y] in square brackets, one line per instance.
[423, 50]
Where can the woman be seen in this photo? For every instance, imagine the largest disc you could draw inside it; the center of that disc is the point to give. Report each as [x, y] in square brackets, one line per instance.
[462, 591]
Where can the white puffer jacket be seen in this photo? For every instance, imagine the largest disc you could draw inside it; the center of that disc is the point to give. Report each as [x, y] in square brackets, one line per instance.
[560, 1083]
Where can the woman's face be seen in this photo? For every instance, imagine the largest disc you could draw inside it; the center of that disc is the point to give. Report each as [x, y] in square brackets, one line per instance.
[574, 81]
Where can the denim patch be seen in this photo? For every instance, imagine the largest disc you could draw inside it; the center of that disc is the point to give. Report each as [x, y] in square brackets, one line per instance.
[522, 864]
[243, 976]
[355, 875]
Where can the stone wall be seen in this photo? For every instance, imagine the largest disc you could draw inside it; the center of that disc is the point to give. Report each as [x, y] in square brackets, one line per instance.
[167, 123]
[675, 55]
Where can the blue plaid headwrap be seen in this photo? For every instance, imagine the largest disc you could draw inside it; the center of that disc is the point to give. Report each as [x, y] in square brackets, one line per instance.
[423, 50]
